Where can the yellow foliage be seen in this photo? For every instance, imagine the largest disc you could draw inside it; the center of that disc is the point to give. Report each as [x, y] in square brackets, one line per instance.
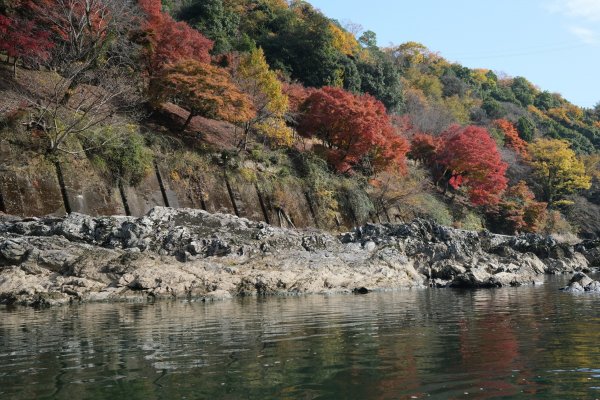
[276, 130]
[567, 113]
[262, 84]
[480, 75]
[249, 175]
[459, 108]
[560, 171]
[269, 99]
[537, 112]
[344, 41]
[430, 85]
[592, 165]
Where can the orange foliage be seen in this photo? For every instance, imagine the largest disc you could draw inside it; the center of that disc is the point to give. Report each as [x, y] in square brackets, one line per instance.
[204, 90]
[519, 212]
[423, 148]
[169, 41]
[297, 94]
[511, 135]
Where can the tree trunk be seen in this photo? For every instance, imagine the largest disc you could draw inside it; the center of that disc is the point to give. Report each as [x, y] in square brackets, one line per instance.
[188, 120]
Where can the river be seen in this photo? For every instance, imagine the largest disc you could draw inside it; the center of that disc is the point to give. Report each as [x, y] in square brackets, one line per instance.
[438, 344]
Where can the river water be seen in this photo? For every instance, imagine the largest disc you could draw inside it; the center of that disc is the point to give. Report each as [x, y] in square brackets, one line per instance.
[528, 342]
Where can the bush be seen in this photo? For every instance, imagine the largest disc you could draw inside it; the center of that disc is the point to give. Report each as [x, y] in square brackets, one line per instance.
[556, 224]
[322, 186]
[127, 159]
[354, 200]
[432, 208]
[471, 222]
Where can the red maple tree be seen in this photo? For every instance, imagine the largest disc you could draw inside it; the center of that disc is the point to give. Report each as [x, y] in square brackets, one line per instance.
[423, 148]
[354, 129]
[23, 38]
[469, 158]
[169, 41]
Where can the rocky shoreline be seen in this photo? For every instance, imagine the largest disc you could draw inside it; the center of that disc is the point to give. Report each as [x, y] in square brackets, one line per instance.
[185, 253]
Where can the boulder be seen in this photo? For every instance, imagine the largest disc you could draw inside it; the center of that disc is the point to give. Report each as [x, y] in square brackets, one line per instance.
[580, 282]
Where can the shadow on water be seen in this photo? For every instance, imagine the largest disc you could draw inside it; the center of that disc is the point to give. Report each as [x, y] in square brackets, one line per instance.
[503, 343]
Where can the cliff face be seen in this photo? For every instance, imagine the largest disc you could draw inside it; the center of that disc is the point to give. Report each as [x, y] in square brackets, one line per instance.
[193, 254]
[35, 187]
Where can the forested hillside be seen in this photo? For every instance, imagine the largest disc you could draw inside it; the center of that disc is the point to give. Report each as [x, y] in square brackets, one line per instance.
[279, 88]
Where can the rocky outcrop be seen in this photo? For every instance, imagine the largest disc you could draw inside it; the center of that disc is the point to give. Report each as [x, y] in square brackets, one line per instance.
[582, 283]
[193, 254]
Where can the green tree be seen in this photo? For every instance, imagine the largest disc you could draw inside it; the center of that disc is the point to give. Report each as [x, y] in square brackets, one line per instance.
[368, 39]
[524, 91]
[299, 41]
[545, 101]
[380, 78]
[526, 129]
[493, 109]
[214, 20]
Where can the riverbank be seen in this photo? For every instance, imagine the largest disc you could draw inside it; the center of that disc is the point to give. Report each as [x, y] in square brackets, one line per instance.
[185, 253]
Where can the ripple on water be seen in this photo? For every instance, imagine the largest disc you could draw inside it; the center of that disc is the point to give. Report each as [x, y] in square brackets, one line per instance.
[506, 343]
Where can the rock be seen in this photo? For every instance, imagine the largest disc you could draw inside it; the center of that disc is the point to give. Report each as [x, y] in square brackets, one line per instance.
[12, 251]
[218, 295]
[574, 287]
[361, 290]
[580, 282]
[582, 279]
[594, 286]
[192, 254]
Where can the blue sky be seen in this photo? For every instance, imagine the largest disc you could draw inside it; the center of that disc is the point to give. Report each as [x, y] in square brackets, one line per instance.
[553, 43]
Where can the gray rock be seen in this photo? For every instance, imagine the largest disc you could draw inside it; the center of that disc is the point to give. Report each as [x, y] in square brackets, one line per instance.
[580, 282]
[194, 254]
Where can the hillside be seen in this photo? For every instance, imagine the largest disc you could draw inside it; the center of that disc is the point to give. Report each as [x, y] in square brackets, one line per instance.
[271, 110]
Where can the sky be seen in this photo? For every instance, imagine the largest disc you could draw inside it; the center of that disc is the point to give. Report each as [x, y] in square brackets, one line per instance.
[555, 44]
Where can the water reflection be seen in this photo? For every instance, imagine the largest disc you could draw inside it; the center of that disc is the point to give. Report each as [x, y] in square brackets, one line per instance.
[511, 343]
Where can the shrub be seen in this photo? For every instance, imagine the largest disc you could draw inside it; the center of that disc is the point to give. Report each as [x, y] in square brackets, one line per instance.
[126, 159]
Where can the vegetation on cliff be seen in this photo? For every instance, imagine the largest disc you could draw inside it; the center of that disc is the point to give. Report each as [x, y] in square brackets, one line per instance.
[363, 128]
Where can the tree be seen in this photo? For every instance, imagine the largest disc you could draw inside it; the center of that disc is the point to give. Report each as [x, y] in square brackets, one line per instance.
[298, 40]
[493, 109]
[524, 91]
[468, 158]
[343, 41]
[168, 41]
[254, 77]
[423, 148]
[368, 39]
[355, 130]
[215, 20]
[202, 89]
[23, 39]
[559, 170]
[85, 116]
[518, 211]
[526, 129]
[380, 78]
[546, 100]
[410, 54]
[511, 137]
[88, 35]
